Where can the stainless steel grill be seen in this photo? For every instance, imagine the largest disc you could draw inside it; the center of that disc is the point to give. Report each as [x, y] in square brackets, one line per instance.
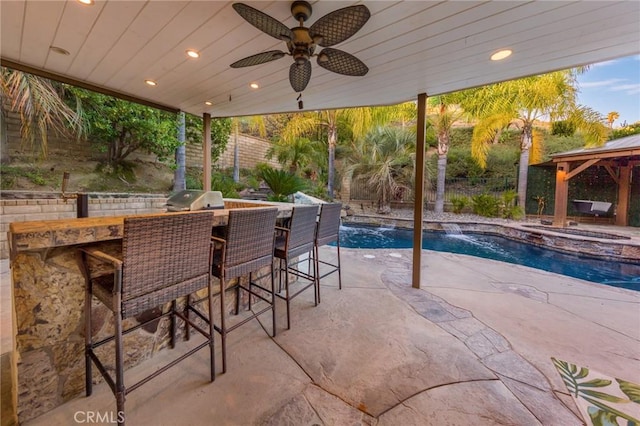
[193, 199]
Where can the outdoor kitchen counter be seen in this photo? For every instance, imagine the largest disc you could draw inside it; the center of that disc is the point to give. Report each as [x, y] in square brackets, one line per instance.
[48, 299]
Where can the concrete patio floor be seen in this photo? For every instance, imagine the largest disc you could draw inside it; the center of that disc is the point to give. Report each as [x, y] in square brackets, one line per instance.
[473, 346]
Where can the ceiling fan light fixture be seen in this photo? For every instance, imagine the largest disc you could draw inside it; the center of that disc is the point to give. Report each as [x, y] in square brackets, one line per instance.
[501, 54]
[322, 57]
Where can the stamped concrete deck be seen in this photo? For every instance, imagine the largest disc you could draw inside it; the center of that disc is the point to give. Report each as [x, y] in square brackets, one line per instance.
[473, 346]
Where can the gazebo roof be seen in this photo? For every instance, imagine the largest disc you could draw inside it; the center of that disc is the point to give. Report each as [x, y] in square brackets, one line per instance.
[410, 47]
[628, 146]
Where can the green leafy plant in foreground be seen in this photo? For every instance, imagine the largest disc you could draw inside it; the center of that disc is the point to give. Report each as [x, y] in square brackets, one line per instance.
[599, 412]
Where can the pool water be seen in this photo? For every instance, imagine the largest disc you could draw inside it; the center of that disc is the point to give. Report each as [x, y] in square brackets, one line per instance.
[618, 274]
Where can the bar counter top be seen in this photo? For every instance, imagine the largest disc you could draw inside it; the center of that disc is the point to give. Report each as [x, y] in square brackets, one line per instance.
[47, 234]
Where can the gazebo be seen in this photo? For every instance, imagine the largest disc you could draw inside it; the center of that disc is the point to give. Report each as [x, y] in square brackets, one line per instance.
[618, 157]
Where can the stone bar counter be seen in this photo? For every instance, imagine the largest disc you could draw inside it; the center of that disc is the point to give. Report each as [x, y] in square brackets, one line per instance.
[48, 300]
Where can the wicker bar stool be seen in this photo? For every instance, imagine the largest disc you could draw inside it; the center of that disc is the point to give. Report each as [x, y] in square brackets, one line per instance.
[291, 242]
[163, 258]
[246, 248]
[328, 231]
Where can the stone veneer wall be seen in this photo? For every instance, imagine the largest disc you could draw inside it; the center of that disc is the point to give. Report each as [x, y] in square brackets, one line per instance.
[48, 207]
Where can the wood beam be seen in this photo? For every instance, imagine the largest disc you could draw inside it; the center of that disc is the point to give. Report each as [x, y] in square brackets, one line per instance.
[562, 194]
[613, 174]
[206, 151]
[629, 152]
[624, 189]
[418, 205]
[581, 168]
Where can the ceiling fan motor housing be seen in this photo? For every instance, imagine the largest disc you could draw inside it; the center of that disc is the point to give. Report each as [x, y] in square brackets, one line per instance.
[302, 45]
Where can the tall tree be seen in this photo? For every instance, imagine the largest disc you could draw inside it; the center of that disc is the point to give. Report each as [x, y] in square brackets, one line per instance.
[179, 181]
[520, 103]
[443, 114]
[384, 159]
[41, 107]
[611, 117]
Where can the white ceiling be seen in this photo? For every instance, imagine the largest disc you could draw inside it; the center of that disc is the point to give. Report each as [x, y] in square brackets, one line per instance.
[410, 47]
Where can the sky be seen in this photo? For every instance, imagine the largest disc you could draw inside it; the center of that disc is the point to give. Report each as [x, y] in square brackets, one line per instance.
[613, 86]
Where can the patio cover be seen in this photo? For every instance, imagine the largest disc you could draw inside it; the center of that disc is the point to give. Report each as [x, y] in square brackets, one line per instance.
[618, 157]
[411, 48]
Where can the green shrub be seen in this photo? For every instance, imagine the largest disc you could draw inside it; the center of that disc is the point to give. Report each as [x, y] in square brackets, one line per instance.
[459, 202]
[563, 128]
[485, 205]
[282, 184]
[225, 184]
[509, 208]
[631, 129]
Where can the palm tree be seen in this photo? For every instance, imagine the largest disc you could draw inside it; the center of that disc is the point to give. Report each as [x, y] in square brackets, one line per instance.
[611, 117]
[358, 120]
[520, 103]
[445, 116]
[296, 154]
[384, 158]
[41, 106]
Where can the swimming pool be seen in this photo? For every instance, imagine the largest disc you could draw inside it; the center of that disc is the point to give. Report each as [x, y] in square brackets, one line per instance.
[618, 274]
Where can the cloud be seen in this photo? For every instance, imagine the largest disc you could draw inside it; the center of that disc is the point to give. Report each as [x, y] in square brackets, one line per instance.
[602, 83]
[629, 89]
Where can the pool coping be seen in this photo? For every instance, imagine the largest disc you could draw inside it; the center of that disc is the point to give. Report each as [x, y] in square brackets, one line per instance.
[619, 250]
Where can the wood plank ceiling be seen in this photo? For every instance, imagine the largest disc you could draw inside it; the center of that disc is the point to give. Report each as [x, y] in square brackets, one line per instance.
[410, 47]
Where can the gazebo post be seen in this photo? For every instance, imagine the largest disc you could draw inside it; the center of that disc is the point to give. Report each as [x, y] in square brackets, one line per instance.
[562, 195]
[622, 209]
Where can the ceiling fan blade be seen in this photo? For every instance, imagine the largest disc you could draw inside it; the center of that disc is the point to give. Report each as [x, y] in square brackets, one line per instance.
[341, 62]
[339, 25]
[257, 59]
[263, 22]
[299, 75]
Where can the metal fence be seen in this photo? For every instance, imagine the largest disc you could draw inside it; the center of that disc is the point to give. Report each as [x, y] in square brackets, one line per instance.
[456, 187]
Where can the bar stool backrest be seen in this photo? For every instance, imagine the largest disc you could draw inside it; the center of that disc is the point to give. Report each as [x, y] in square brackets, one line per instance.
[328, 224]
[164, 257]
[302, 230]
[250, 239]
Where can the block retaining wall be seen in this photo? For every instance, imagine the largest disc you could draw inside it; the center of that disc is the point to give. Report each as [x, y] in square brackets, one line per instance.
[16, 207]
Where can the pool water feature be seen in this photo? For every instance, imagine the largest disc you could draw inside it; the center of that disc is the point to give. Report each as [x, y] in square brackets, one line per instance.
[618, 274]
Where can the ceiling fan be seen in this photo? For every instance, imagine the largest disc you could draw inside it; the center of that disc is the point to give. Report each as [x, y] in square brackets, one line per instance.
[331, 29]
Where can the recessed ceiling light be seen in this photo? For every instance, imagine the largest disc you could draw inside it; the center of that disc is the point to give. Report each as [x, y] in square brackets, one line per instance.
[59, 50]
[254, 85]
[193, 53]
[151, 82]
[501, 54]
[208, 103]
[89, 2]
